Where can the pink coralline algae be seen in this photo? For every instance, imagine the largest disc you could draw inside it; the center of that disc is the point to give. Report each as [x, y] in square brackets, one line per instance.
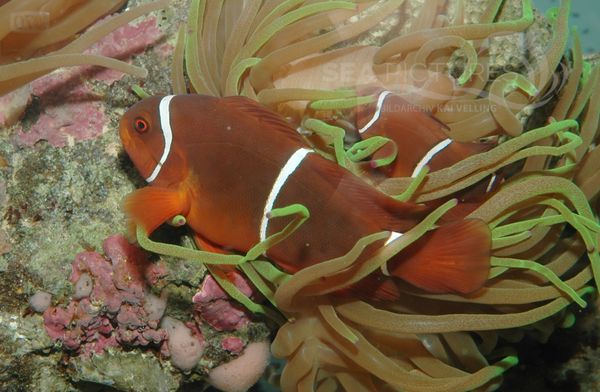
[233, 344]
[111, 312]
[113, 307]
[71, 111]
[217, 309]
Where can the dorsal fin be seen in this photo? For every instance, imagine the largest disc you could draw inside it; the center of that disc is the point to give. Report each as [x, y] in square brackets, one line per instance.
[390, 213]
[270, 120]
[405, 116]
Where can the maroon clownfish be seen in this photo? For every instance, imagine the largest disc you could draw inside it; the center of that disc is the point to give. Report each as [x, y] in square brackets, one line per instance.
[225, 163]
[420, 138]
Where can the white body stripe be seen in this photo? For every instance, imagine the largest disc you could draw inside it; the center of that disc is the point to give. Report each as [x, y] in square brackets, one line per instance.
[164, 114]
[430, 154]
[377, 111]
[290, 166]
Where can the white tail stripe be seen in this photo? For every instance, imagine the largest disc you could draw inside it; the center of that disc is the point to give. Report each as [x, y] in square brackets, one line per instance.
[429, 156]
[491, 183]
[377, 111]
[164, 114]
[393, 236]
[290, 166]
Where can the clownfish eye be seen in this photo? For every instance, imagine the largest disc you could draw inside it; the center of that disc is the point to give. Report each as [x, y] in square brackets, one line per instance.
[141, 125]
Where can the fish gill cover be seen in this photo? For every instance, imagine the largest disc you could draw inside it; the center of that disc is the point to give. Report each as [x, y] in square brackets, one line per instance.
[515, 104]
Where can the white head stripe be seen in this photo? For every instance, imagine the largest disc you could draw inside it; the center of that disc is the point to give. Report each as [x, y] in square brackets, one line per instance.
[164, 114]
[290, 166]
[430, 154]
[377, 111]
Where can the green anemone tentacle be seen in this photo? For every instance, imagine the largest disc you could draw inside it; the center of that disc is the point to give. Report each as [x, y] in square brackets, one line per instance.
[342, 103]
[235, 75]
[365, 148]
[505, 262]
[329, 131]
[299, 213]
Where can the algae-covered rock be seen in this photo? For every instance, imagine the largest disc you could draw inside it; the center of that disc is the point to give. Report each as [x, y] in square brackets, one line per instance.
[23, 335]
[125, 371]
[35, 373]
[61, 201]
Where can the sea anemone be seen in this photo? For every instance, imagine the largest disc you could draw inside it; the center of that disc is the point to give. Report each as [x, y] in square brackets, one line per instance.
[40, 36]
[543, 121]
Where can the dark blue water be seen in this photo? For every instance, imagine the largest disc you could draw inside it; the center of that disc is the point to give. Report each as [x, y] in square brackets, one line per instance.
[585, 14]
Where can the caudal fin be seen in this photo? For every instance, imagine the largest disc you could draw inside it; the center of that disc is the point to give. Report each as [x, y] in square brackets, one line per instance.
[454, 258]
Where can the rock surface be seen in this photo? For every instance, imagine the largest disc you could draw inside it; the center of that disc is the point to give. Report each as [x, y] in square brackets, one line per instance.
[63, 176]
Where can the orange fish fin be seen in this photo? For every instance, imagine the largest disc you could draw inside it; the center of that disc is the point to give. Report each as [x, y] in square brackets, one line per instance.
[415, 117]
[473, 148]
[398, 118]
[269, 120]
[461, 210]
[377, 287]
[382, 288]
[456, 152]
[388, 212]
[455, 258]
[399, 211]
[386, 291]
[152, 206]
[471, 198]
[208, 246]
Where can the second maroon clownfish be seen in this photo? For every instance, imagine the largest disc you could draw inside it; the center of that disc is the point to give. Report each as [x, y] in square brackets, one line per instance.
[420, 138]
[225, 163]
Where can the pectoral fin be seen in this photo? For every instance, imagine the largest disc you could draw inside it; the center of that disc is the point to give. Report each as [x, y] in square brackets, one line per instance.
[150, 207]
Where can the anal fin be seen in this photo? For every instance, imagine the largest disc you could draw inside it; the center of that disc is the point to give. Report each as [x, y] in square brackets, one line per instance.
[209, 246]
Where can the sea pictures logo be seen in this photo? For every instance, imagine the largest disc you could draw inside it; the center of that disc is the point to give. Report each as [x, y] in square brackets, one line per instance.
[481, 82]
[24, 22]
[29, 21]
